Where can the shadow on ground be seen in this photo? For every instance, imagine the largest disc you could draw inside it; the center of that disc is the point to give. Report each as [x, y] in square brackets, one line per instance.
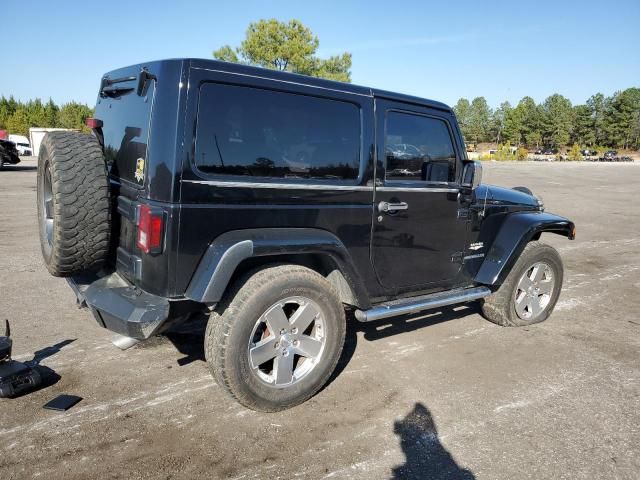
[426, 457]
[188, 336]
[380, 329]
[48, 376]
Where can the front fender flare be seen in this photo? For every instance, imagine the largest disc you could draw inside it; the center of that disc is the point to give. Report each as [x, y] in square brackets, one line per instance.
[514, 234]
[227, 251]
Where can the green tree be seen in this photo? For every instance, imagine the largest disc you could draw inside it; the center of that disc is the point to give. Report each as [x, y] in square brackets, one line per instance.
[574, 153]
[7, 108]
[622, 122]
[51, 111]
[461, 109]
[598, 105]
[497, 123]
[73, 115]
[18, 122]
[513, 125]
[479, 115]
[530, 120]
[534, 138]
[557, 120]
[584, 132]
[287, 46]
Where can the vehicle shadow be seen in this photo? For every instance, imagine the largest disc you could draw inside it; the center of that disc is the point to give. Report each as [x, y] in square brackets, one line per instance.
[379, 329]
[188, 336]
[426, 457]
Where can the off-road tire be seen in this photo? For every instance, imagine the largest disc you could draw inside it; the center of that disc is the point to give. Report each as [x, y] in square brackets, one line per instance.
[80, 203]
[229, 330]
[499, 307]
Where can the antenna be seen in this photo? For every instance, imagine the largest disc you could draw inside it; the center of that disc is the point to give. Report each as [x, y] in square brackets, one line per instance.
[7, 328]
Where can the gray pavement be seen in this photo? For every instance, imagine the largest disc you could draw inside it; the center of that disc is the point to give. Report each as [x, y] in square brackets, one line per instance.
[442, 395]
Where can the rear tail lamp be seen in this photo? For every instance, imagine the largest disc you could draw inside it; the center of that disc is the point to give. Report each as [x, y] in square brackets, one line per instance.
[93, 123]
[150, 229]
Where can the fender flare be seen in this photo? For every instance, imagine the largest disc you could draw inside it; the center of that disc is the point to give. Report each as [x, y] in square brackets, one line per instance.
[226, 252]
[516, 231]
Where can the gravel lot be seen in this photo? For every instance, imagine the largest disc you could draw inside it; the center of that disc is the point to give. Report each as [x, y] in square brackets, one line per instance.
[444, 395]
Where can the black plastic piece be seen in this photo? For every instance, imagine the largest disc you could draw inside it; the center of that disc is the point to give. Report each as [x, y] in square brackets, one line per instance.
[223, 256]
[62, 403]
[516, 231]
[6, 343]
[143, 78]
[17, 378]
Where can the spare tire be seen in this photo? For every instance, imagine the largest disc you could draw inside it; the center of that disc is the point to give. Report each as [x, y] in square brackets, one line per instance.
[74, 211]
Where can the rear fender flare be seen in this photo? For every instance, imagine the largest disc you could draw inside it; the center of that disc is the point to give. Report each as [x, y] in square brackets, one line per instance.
[226, 252]
[516, 231]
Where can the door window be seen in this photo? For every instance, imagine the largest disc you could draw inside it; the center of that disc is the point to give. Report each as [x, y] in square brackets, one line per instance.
[418, 148]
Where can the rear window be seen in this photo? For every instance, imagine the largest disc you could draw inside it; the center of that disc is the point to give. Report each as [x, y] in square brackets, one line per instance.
[126, 120]
[252, 132]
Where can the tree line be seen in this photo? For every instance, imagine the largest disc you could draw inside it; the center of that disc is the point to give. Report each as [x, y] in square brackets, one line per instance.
[602, 121]
[17, 117]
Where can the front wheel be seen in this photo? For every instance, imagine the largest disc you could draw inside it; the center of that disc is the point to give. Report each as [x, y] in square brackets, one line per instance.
[276, 339]
[530, 291]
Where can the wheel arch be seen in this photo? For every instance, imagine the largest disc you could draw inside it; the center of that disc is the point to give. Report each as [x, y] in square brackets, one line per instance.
[234, 253]
[516, 231]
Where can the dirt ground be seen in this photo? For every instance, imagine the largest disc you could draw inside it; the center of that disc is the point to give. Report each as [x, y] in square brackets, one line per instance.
[443, 395]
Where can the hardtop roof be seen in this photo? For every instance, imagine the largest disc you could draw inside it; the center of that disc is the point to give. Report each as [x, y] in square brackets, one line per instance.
[228, 67]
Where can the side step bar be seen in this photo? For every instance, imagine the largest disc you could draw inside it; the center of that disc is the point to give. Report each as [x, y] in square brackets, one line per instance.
[426, 302]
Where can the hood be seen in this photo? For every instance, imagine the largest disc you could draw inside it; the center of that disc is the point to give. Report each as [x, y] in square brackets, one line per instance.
[507, 197]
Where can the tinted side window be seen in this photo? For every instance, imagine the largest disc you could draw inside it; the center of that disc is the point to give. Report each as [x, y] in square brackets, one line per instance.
[263, 133]
[418, 148]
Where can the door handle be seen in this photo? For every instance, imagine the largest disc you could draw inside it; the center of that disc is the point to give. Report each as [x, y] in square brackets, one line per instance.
[392, 207]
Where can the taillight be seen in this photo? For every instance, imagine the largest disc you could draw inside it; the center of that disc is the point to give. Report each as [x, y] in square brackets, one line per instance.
[150, 223]
[93, 123]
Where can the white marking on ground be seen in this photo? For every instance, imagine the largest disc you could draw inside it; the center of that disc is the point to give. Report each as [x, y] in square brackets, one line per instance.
[568, 304]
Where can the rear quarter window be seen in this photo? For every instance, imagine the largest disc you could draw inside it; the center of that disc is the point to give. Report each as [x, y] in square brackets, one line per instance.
[252, 132]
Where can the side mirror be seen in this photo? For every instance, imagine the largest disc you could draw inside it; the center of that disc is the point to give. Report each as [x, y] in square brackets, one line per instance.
[471, 174]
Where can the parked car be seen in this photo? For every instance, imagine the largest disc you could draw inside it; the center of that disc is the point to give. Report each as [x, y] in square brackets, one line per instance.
[22, 144]
[546, 151]
[266, 200]
[8, 153]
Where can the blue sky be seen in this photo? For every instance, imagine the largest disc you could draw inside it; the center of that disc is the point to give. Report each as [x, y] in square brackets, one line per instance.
[439, 50]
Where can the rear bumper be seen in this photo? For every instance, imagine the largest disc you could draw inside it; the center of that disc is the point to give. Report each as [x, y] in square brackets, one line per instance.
[119, 306]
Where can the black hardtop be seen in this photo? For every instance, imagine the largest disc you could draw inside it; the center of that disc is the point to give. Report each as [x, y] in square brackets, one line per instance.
[239, 69]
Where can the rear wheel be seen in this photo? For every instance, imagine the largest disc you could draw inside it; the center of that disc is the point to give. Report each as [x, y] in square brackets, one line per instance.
[73, 203]
[530, 291]
[277, 338]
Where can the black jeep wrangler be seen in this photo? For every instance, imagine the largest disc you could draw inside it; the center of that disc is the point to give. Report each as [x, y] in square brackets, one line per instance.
[276, 203]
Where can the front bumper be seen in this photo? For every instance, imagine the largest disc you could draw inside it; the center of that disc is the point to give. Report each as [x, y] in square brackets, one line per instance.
[119, 306]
